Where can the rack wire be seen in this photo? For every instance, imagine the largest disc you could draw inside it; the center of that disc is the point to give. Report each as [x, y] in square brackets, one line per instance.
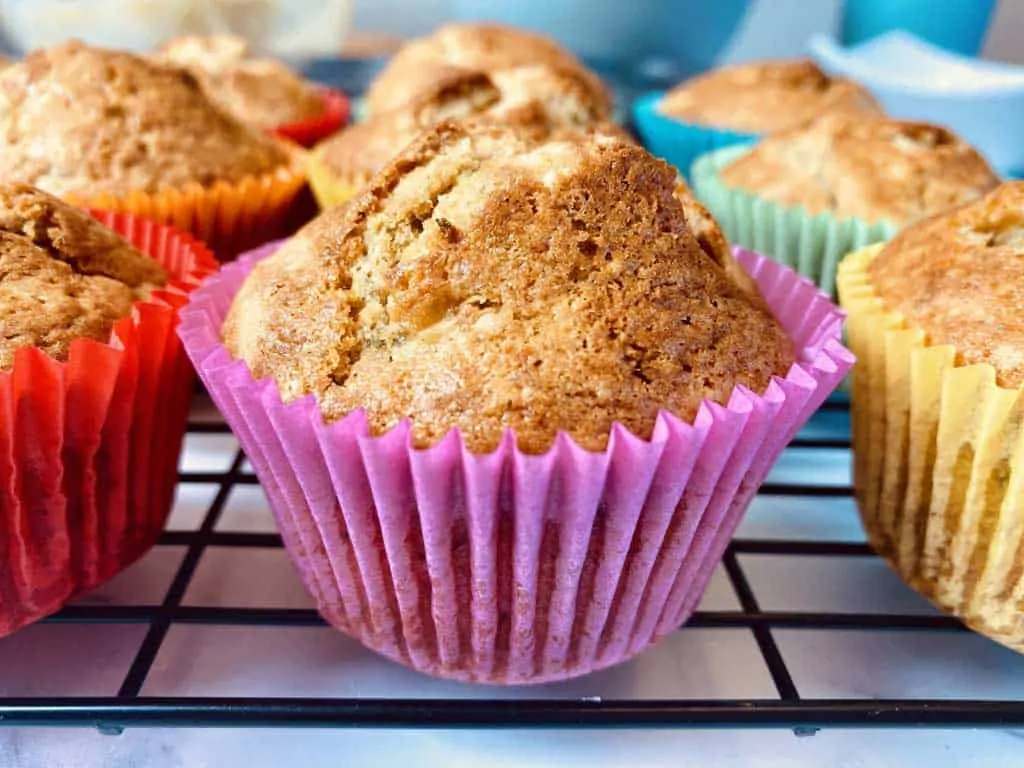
[789, 710]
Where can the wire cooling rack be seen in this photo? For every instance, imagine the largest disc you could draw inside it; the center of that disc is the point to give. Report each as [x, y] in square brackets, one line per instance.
[787, 706]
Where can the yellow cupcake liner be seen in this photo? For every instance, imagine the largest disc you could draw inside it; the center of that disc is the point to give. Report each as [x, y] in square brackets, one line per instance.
[938, 464]
[230, 218]
[329, 188]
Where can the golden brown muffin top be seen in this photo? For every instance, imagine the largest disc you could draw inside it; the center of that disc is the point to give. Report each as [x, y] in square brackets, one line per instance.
[766, 97]
[262, 93]
[959, 277]
[487, 48]
[538, 98]
[63, 276]
[488, 281]
[876, 169]
[83, 121]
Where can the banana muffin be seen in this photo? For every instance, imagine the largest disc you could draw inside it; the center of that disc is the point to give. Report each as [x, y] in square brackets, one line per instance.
[873, 169]
[260, 92]
[937, 402]
[64, 276]
[537, 98]
[488, 48]
[485, 280]
[82, 121]
[765, 97]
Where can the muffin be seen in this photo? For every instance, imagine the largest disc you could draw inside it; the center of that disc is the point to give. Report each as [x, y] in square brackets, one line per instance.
[496, 339]
[740, 103]
[94, 389]
[115, 130]
[938, 407]
[488, 48]
[811, 195]
[537, 98]
[262, 93]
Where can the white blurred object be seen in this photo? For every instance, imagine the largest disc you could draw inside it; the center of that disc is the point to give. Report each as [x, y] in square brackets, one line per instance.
[287, 28]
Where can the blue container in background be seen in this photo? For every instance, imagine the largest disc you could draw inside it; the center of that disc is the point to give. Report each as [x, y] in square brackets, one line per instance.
[956, 25]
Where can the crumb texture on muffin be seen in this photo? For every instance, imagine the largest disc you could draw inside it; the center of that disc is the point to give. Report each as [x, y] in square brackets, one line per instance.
[487, 281]
[766, 97]
[83, 121]
[260, 92]
[534, 98]
[959, 277]
[487, 48]
[876, 169]
[63, 275]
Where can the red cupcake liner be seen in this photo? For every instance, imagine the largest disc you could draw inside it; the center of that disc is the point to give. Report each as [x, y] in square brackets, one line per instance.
[308, 133]
[506, 567]
[89, 447]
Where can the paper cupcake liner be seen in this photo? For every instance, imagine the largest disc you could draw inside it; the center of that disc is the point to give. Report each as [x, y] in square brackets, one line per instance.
[813, 245]
[90, 446]
[329, 188]
[229, 218]
[307, 133]
[939, 464]
[677, 141]
[507, 567]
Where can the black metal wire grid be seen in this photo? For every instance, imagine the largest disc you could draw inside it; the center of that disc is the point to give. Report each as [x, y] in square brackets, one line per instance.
[790, 710]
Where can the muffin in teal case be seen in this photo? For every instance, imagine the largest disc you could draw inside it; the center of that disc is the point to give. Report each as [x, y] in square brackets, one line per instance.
[677, 141]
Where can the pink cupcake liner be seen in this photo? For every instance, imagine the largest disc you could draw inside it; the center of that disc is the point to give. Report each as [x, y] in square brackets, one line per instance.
[507, 567]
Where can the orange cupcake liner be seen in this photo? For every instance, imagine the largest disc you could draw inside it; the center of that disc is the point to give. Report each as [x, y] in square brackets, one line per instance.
[89, 447]
[229, 218]
[307, 133]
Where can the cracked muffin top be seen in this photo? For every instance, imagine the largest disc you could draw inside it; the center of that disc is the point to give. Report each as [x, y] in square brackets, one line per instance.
[262, 93]
[487, 281]
[876, 169]
[765, 97]
[77, 120]
[63, 275]
[959, 277]
[486, 48]
[537, 98]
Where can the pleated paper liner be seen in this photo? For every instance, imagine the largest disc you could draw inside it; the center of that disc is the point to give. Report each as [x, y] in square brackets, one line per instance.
[677, 141]
[329, 188]
[939, 464]
[812, 245]
[228, 217]
[307, 133]
[89, 447]
[507, 567]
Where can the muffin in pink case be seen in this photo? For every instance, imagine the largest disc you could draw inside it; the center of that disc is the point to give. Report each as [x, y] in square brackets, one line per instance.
[507, 411]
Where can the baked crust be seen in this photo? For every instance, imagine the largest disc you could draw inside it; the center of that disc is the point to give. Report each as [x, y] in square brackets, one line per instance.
[487, 281]
[766, 97]
[63, 275]
[874, 169]
[959, 277]
[487, 48]
[84, 121]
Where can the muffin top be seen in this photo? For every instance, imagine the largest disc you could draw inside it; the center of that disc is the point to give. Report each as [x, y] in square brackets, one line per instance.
[485, 280]
[487, 48]
[765, 97]
[534, 97]
[63, 275]
[959, 277]
[876, 169]
[262, 93]
[82, 121]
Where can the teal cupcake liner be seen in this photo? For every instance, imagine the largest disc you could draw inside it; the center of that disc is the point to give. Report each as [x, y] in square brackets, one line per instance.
[812, 245]
[676, 141]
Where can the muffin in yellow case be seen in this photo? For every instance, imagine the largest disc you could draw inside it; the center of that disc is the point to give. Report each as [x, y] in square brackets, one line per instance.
[936, 321]
[809, 196]
[115, 131]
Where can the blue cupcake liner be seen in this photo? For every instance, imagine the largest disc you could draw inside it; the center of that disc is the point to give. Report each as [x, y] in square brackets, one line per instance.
[676, 141]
